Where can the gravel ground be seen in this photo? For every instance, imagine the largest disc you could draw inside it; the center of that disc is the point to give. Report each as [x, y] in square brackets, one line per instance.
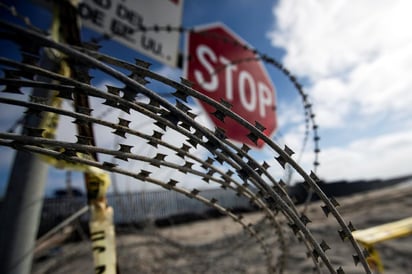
[223, 246]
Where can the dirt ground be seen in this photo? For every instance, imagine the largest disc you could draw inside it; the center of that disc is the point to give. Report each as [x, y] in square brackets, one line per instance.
[223, 246]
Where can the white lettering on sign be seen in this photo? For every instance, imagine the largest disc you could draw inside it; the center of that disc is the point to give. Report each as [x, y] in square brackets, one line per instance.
[229, 68]
[204, 52]
[265, 98]
[246, 79]
[252, 95]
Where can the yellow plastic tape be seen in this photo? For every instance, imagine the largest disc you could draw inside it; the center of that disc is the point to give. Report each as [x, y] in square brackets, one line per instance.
[369, 237]
[384, 232]
[63, 164]
[49, 125]
[98, 181]
[50, 120]
[103, 239]
[374, 260]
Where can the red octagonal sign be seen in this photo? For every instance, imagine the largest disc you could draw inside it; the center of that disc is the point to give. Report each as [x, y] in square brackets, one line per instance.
[223, 69]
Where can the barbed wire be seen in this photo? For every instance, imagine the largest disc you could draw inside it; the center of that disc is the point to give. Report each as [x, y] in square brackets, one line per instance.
[260, 56]
[309, 115]
[242, 173]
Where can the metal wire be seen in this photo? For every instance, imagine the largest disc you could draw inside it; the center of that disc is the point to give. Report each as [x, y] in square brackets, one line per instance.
[226, 164]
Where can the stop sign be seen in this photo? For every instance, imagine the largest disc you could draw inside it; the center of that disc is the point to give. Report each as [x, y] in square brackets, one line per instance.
[221, 68]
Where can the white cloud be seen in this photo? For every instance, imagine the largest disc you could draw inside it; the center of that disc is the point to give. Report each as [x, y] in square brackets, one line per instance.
[290, 113]
[356, 55]
[143, 124]
[139, 122]
[384, 156]
[169, 72]
[106, 139]
[357, 59]
[338, 34]
[379, 157]
[9, 114]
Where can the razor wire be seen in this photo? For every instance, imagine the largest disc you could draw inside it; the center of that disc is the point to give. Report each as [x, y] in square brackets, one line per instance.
[242, 173]
[309, 115]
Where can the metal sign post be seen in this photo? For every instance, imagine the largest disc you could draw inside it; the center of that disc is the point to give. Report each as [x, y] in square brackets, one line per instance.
[24, 197]
[23, 200]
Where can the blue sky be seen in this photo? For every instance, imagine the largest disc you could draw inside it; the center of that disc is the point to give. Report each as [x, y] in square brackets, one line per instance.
[353, 58]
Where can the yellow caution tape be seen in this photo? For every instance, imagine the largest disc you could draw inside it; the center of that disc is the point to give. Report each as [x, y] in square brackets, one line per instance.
[49, 125]
[50, 120]
[103, 239]
[369, 237]
[373, 259]
[63, 164]
[97, 180]
[384, 232]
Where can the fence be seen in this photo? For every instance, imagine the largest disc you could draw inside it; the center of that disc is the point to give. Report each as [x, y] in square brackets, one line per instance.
[139, 207]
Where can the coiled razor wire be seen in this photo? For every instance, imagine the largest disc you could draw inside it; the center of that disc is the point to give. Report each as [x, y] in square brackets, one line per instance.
[226, 164]
[309, 115]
